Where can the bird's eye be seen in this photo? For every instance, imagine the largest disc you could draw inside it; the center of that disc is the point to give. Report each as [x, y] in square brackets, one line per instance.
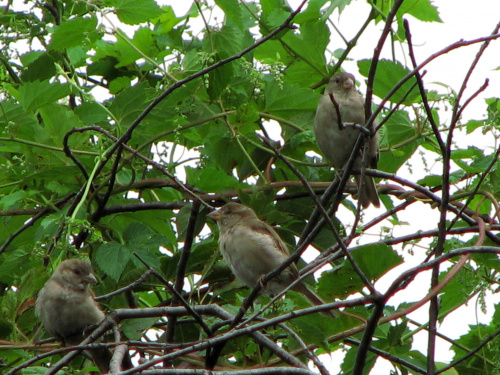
[77, 272]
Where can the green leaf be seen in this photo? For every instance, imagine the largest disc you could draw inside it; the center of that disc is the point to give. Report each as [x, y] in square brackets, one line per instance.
[366, 258]
[340, 4]
[144, 41]
[233, 12]
[420, 9]
[342, 282]
[15, 264]
[481, 364]
[398, 339]
[469, 153]
[285, 99]
[272, 52]
[126, 52]
[35, 370]
[398, 128]
[313, 329]
[211, 179]
[142, 236]
[167, 19]
[112, 258]
[311, 12]
[274, 13]
[228, 42]
[135, 328]
[398, 132]
[119, 84]
[129, 103]
[34, 95]
[310, 44]
[134, 12]
[72, 33]
[458, 291]
[450, 371]
[58, 120]
[473, 125]
[48, 226]
[219, 79]
[6, 328]
[388, 75]
[40, 69]
[12, 199]
[91, 113]
[431, 180]
[350, 360]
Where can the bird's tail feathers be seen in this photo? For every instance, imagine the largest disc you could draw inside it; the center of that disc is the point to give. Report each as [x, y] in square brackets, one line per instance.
[367, 191]
[102, 358]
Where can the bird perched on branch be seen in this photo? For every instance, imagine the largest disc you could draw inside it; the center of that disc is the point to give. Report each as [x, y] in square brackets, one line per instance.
[341, 104]
[252, 249]
[67, 308]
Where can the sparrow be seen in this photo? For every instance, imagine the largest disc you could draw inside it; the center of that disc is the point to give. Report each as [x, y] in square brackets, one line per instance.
[67, 308]
[336, 141]
[252, 249]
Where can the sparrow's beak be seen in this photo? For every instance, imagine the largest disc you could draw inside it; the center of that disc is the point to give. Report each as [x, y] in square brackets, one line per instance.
[348, 83]
[90, 279]
[215, 215]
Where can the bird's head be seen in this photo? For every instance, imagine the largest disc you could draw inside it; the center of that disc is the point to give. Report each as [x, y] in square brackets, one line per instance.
[342, 82]
[230, 214]
[76, 273]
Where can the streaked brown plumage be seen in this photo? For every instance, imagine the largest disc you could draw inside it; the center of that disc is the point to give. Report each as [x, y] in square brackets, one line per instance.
[252, 249]
[337, 144]
[66, 307]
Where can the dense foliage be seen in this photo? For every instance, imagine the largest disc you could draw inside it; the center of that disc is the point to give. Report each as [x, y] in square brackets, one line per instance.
[122, 123]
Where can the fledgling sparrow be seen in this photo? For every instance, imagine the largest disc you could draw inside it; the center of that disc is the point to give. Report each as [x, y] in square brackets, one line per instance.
[66, 307]
[252, 249]
[335, 142]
